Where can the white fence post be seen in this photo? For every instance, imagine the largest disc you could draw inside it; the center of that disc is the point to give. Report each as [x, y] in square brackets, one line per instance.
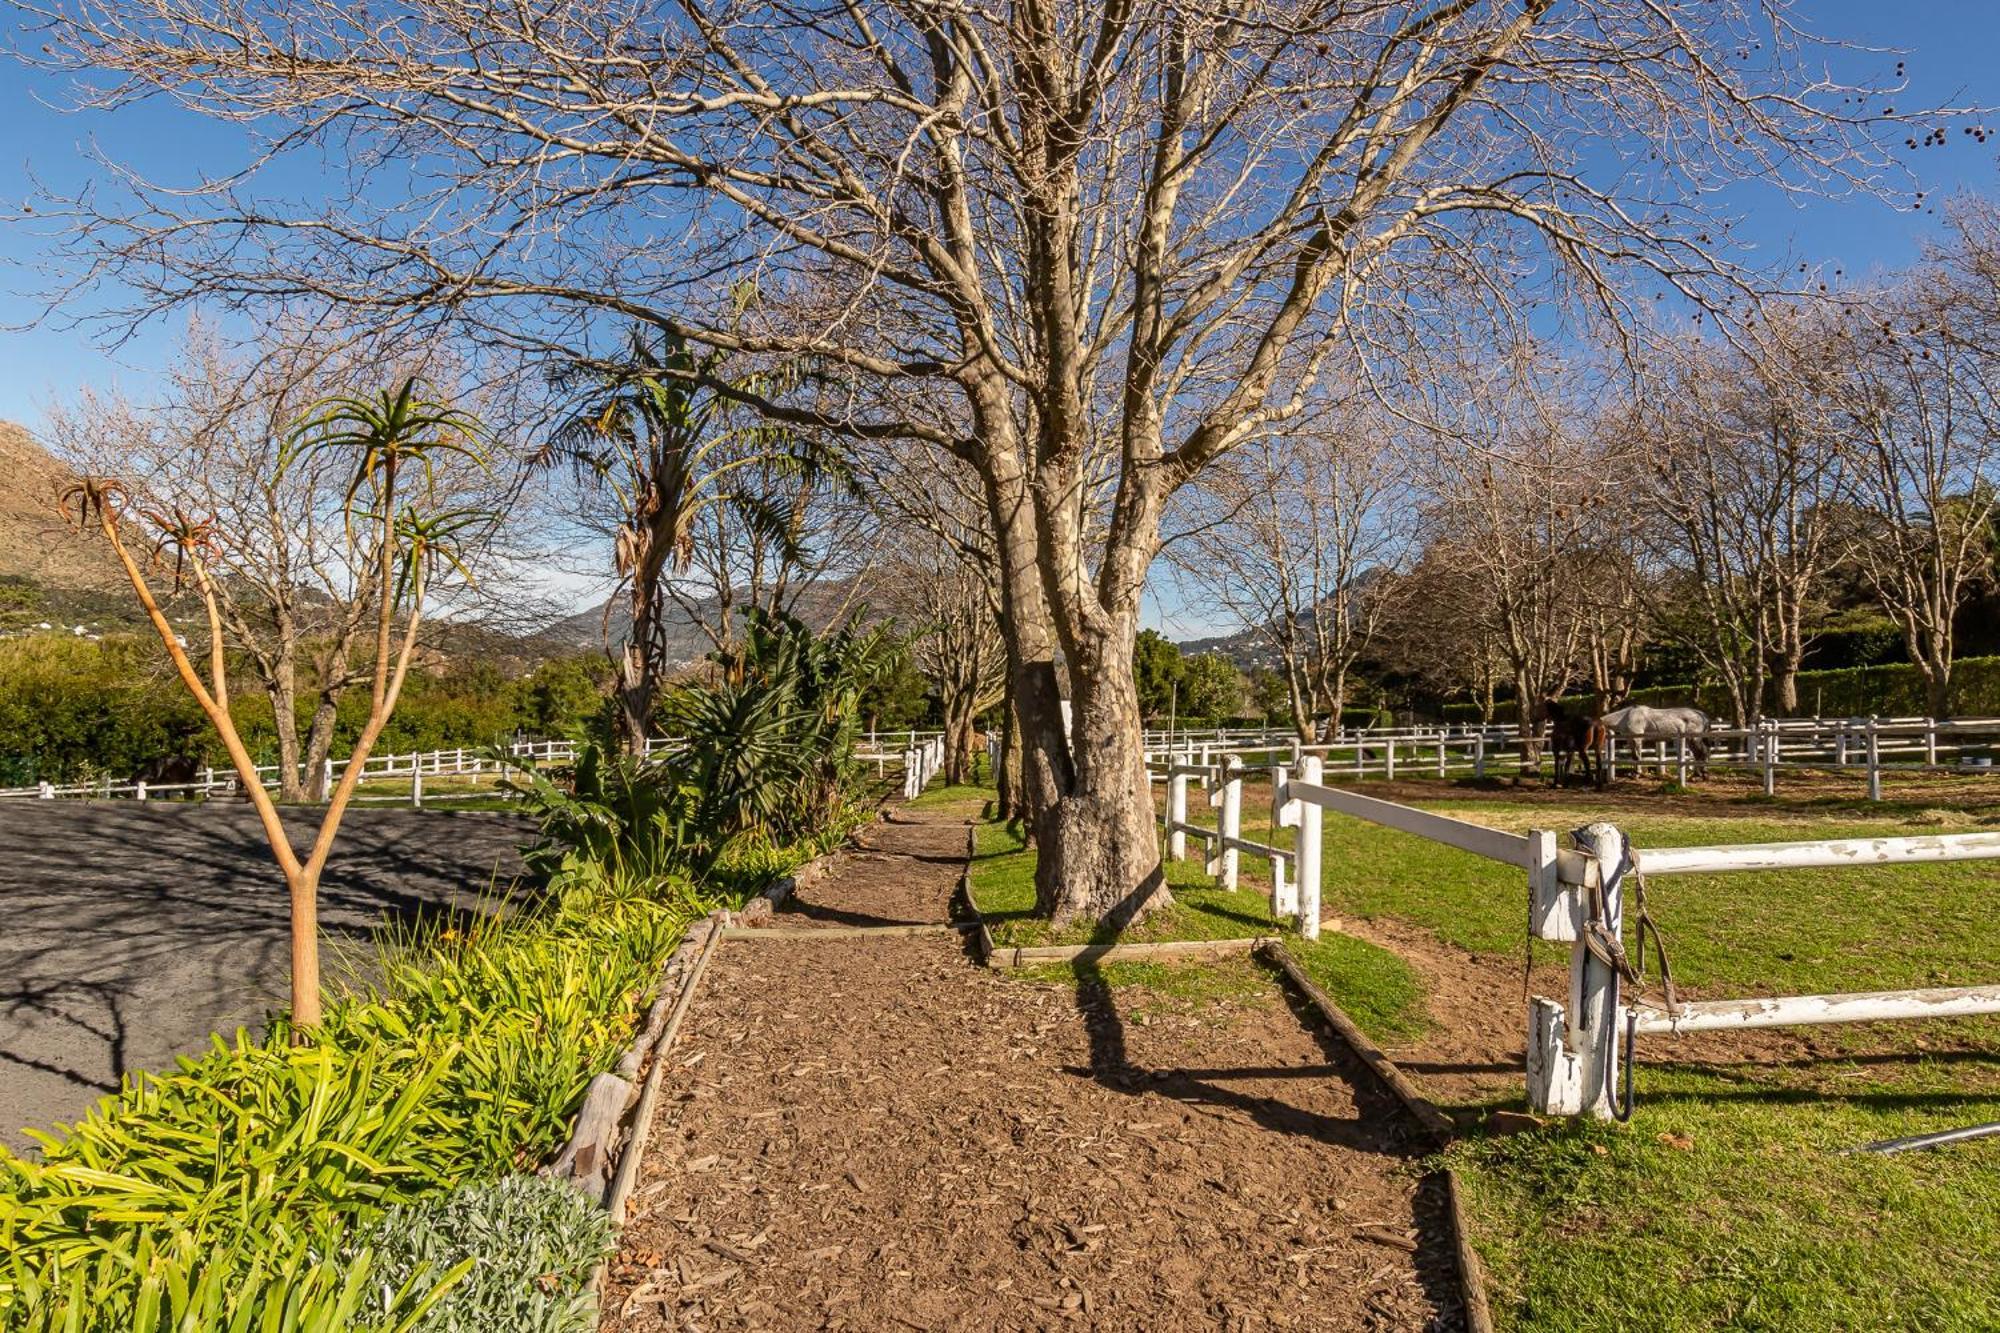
[1930, 742]
[1440, 756]
[1390, 760]
[1284, 814]
[1573, 1051]
[1479, 757]
[1768, 748]
[1228, 798]
[139, 789]
[1307, 850]
[46, 790]
[416, 786]
[1177, 785]
[1874, 762]
[329, 776]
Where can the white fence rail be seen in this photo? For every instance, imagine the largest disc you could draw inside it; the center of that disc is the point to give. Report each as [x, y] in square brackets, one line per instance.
[1869, 746]
[474, 762]
[1576, 1047]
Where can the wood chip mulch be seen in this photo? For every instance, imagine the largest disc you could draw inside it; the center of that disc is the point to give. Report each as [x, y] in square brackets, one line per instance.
[877, 1133]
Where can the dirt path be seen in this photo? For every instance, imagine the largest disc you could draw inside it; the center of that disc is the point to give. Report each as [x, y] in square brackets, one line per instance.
[876, 1133]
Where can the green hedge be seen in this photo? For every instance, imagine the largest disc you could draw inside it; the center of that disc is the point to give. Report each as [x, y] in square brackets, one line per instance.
[74, 710]
[1896, 690]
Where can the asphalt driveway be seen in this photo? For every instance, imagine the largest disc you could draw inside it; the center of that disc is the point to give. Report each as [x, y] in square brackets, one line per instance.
[129, 932]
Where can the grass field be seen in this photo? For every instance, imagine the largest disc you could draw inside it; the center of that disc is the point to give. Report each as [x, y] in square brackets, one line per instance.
[1729, 1201]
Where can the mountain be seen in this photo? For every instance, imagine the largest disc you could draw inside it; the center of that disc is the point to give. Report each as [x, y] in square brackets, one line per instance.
[1246, 648]
[36, 544]
[818, 605]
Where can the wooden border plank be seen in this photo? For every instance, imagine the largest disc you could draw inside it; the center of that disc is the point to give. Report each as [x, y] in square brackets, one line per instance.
[1421, 1107]
[1471, 1272]
[1034, 955]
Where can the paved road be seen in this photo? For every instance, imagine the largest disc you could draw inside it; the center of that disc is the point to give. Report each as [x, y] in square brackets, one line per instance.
[130, 932]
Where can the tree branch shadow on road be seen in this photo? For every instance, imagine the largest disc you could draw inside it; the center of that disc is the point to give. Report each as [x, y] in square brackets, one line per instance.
[133, 931]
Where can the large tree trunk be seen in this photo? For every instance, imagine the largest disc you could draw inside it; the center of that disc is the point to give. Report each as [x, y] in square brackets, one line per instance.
[1007, 766]
[1100, 853]
[1041, 761]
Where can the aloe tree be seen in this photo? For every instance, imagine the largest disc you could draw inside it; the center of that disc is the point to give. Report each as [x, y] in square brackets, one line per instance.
[398, 541]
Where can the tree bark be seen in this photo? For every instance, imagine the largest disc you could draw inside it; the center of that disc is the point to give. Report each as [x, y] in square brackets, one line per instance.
[1100, 856]
[283, 694]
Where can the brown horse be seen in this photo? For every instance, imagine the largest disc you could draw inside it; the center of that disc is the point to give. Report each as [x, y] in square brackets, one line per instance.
[1575, 737]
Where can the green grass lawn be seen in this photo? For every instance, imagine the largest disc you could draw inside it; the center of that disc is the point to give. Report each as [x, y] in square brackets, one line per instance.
[1378, 989]
[1728, 1203]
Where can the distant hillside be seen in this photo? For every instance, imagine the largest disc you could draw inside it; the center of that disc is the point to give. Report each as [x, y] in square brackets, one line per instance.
[818, 606]
[1246, 648]
[36, 545]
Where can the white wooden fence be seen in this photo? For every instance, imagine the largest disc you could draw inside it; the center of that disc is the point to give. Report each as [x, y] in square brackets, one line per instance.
[459, 762]
[922, 762]
[1576, 1047]
[1870, 746]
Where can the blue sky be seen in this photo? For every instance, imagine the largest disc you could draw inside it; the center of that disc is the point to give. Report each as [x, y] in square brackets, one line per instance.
[1950, 46]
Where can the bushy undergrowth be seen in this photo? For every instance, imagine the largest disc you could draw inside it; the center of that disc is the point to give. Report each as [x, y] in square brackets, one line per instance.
[466, 1062]
[240, 1183]
[526, 1246]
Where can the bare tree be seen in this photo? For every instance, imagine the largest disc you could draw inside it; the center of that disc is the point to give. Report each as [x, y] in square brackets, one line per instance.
[388, 445]
[278, 554]
[1927, 422]
[1295, 536]
[1121, 238]
[787, 535]
[1747, 466]
[957, 646]
[1511, 505]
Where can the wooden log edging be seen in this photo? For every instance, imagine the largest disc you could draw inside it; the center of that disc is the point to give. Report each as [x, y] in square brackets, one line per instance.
[600, 1147]
[982, 938]
[1005, 956]
[1471, 1273]
[1011, 956]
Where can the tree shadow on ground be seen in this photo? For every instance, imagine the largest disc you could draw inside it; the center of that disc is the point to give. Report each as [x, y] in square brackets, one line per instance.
[1381, 1125]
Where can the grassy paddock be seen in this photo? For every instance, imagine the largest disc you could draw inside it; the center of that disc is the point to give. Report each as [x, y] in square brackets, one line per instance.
[1728, 1202]
[1379, 989]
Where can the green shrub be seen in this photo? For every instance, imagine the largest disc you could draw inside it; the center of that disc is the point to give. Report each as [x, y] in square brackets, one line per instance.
[530, 1243]
[467, 1061]
[182, 1287]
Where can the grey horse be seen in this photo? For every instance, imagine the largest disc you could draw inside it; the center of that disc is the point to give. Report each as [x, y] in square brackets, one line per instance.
[1639, 723]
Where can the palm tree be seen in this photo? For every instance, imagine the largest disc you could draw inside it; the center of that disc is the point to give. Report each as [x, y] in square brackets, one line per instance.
[642, 428]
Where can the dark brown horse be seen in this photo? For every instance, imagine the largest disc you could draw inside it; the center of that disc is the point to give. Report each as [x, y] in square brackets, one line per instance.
[1573, 737]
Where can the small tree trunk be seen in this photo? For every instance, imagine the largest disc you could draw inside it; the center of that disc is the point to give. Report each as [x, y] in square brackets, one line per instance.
[1007, 777]
[304, 889]
[319, 745]
[1937, 686]
[285, 723]
[635, 699]
[1785, 686]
